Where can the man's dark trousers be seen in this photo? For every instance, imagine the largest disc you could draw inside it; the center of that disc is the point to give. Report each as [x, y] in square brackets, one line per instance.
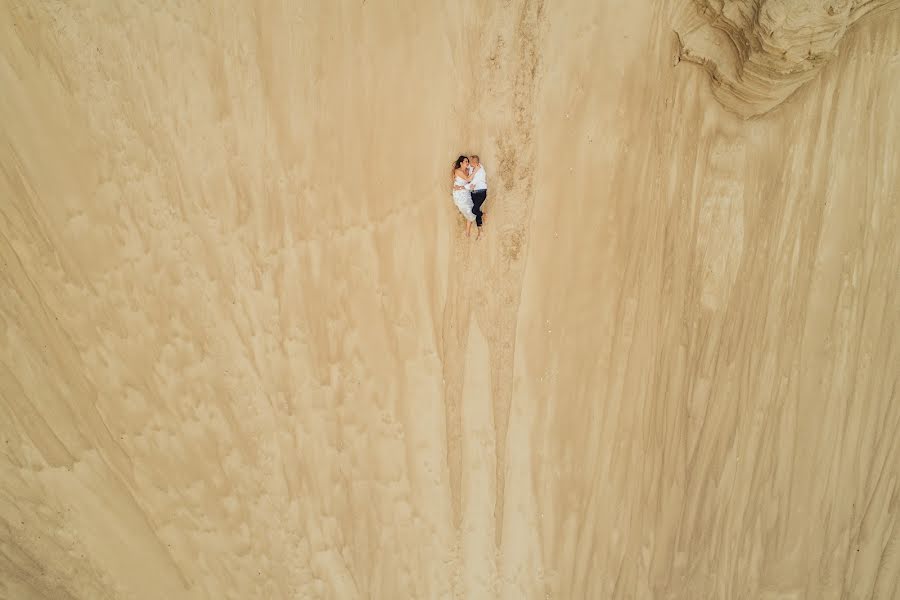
[478, 198]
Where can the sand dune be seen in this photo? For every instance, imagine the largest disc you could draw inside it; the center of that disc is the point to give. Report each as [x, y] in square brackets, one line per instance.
[248, 351]
[761, 51]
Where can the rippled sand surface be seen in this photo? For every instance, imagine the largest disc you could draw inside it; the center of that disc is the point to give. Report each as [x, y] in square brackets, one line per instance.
[246, 350]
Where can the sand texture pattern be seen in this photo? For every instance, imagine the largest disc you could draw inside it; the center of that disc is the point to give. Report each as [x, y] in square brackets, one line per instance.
[759, 52]
[247, 351]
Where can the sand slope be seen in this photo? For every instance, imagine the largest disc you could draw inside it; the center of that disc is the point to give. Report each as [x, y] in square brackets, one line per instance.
[248, 352]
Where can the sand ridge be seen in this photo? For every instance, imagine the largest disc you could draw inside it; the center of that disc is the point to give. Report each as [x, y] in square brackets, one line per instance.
[249, 352]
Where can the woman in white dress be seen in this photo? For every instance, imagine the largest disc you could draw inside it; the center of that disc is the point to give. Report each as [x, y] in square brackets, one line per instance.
[462, 197]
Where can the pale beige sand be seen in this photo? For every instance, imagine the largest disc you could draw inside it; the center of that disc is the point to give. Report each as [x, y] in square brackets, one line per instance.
[247, 351]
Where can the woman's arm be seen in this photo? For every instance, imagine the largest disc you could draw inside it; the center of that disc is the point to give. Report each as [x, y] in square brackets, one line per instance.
[453, 185]
[463, 175]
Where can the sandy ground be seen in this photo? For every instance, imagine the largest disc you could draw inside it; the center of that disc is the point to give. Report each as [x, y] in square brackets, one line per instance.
[248, 352]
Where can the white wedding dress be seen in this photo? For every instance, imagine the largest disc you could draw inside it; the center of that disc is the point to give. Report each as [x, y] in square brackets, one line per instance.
[463, 199]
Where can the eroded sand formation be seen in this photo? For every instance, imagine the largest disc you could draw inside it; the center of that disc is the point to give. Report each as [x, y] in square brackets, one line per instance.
[247, 351]
[759, 52]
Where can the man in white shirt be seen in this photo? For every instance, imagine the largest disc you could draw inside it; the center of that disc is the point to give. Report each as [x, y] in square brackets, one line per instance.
[479, 187]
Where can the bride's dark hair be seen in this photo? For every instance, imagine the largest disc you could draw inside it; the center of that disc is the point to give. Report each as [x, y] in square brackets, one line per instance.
[459, 161]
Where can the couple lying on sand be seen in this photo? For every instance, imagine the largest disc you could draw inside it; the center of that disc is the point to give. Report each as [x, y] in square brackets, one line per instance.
[470, 190]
